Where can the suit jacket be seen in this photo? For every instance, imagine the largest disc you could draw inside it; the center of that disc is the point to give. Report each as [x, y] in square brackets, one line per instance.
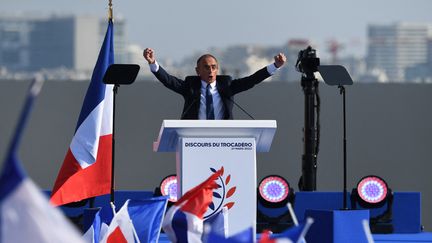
[190, 89]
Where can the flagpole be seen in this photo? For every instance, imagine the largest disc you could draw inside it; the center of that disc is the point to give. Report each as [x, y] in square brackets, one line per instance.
[110, 10]
[110, 19]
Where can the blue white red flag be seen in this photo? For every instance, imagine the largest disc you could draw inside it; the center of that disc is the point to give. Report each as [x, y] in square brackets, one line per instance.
[25, 213]
[217, 224]
[86, 169]
[121, 229]
[184, 220]
[138, 219]
[96, 230]
[295, 234]
[245, 236]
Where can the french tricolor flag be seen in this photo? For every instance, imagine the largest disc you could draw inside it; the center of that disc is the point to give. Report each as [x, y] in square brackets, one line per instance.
[25, 213]
[86, 169]
[137, 221]
[184, 220]
[295, 234]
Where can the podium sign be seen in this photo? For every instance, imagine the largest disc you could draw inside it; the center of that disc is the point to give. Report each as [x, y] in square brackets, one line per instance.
[238, 182]
[203, 147]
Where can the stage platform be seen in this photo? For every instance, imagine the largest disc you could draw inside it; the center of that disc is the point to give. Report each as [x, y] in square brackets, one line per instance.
[406, 213]
[384, 238]
[405, 238]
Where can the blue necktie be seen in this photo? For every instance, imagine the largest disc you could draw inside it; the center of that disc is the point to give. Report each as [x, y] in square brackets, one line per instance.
[209, 104]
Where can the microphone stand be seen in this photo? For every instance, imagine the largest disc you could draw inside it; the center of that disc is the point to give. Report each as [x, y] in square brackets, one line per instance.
[241, 108]
[189, 107]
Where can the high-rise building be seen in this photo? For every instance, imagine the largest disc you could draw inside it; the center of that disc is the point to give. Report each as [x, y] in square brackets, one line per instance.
[14, 42]
[393, 48]
[70, 42]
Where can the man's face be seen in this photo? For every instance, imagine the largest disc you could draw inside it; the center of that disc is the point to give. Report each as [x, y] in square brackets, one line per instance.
[207, 69]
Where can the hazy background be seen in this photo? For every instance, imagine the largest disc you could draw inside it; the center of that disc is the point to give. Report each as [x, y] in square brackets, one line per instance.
[177, 28]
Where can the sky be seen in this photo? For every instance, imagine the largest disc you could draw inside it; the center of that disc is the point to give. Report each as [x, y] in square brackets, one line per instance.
[176, 29]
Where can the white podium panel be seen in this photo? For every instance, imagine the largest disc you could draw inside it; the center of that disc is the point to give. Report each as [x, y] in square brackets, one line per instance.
[201, 156]
[204, 146]
[171, 130]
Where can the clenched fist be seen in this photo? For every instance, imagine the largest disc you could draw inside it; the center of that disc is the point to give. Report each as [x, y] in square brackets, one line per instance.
[280, 60]
[149, 55]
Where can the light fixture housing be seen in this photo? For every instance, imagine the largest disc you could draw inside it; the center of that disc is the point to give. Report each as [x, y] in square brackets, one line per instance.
[274, 191]
[168, 187]
[372, 192]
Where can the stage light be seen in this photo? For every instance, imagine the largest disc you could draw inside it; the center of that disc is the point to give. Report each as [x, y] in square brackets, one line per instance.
[168, 187]
[372, 192]
[274, 193]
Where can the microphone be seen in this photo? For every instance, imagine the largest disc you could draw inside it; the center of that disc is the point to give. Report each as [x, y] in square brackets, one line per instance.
[189, 107]
[229, 98]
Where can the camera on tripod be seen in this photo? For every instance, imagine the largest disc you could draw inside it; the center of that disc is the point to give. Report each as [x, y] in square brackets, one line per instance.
[307, 62]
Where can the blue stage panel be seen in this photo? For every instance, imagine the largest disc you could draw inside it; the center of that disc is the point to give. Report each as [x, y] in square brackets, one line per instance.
[403, 238]
[407, 212]
[406, 207]
[337, 226]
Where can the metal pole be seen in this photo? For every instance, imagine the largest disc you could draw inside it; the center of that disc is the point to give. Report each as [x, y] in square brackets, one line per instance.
[308, 179]
[345, 193]
[115, 89]
[110, 10]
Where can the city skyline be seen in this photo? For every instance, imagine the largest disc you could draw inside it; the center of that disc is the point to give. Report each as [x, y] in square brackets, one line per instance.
[64, 46]
[179, 29]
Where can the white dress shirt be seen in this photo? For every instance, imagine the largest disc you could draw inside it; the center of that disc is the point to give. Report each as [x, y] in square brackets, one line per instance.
[218, 107]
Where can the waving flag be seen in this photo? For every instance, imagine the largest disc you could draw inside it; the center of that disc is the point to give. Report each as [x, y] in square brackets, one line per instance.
[86, 169]
[245, 236]
[217, 224]
[140, 217]
[97, 229]
[184, 220]
[25, 213]
[121, 229]
[294, 234]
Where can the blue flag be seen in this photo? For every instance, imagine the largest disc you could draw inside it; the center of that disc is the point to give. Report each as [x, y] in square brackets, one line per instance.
[147, 216]
[294, 234]
[25, 213]
[245, 236]
[217, 224]
[137, 218]
[92, 235]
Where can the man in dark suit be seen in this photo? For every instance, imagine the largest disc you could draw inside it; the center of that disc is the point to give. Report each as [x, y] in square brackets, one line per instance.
[205, 97]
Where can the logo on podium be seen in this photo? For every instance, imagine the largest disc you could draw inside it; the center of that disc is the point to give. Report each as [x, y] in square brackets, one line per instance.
[222, 195]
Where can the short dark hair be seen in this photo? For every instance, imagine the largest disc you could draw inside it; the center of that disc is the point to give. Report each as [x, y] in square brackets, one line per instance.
[205, 56]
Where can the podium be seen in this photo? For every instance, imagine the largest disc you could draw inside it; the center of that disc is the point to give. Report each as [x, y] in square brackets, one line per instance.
[203, 146]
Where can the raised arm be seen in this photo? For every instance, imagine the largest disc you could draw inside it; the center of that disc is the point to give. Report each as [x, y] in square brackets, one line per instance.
[242, 84]
[169, 81]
